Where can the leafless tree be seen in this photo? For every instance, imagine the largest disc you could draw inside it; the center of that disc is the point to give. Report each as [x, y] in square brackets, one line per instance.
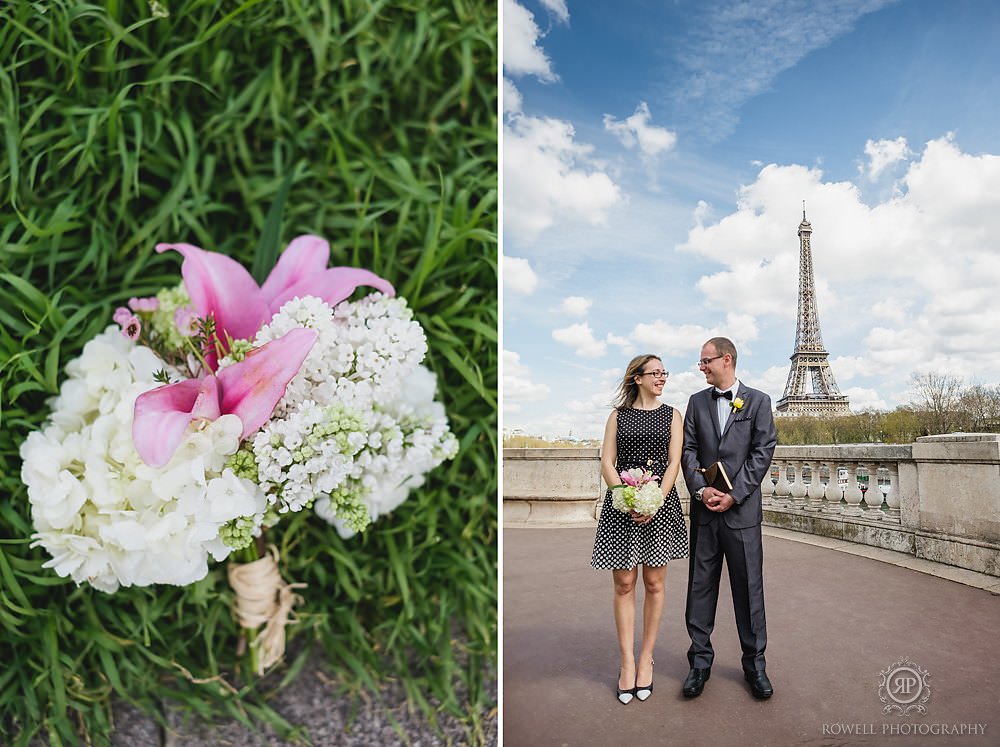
[938, 395]
[981, 407]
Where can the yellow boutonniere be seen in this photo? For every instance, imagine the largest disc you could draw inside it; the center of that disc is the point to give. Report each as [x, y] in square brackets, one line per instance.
[736, 404]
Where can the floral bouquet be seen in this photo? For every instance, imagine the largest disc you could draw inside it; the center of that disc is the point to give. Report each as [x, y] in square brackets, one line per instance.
[639, 492]
[215, 409]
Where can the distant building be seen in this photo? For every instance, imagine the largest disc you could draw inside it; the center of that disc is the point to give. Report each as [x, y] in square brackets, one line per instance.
[811, 388]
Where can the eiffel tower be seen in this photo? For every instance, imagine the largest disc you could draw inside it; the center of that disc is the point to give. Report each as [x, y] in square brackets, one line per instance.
[809, 361]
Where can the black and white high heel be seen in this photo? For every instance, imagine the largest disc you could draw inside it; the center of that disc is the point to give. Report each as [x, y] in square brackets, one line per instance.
[624, 696]
[642, 692]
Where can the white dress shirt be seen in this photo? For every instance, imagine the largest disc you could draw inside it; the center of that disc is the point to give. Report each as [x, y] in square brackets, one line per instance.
[723, 404]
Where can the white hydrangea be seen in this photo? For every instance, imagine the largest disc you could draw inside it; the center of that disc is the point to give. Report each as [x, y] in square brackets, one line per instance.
[105, 516]
[644, 500]
[358, 427]
[648, 499]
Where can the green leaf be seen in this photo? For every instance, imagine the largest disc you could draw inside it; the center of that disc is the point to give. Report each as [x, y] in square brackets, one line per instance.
[265, 256]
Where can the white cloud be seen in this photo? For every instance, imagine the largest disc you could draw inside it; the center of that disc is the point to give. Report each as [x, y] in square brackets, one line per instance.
[512, 101]
[702, 212]
[862, 399]
[741, 286]
[521, 53]
[518, 277]
[549, 178]
[597, 404]
[580, 337]
[518, 386]
[847, 367]
[575, 305]
[687, 339]
[636, 128]
[884, 153]
[670, 339]
[558, 9]
[892, 309]
[739, 48]
[887, 345]
[771, 382]
[623, 343]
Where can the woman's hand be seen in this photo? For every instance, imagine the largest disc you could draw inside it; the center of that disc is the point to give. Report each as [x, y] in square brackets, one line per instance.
[641, 519]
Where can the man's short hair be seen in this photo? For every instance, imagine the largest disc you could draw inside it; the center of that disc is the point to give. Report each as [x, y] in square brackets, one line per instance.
[724, 345]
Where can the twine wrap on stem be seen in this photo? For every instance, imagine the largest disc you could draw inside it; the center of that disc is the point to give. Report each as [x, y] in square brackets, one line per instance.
[263, 598]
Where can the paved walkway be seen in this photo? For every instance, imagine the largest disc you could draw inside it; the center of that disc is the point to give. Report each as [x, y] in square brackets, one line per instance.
[835, 621]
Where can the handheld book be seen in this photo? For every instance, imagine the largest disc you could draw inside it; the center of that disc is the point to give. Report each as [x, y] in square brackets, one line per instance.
[717, 477]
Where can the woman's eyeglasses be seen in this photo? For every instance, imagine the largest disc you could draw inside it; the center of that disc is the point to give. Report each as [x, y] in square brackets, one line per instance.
[655, 374]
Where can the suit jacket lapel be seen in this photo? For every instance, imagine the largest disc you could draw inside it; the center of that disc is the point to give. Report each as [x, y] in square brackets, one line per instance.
[741, 393]
[713, 412]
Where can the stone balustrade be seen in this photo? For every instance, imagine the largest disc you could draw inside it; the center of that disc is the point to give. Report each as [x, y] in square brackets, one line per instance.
[938, 498]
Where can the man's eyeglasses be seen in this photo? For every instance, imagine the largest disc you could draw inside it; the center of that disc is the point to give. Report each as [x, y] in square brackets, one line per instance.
[706, 361]
[655, 374]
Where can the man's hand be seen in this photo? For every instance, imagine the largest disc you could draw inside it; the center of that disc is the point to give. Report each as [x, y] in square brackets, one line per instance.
[709, 492]
[716, 500]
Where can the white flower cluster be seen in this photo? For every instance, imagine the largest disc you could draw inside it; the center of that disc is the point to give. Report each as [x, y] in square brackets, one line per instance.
[105, 516]
[645, 500]
[358, 426]
[648, 499]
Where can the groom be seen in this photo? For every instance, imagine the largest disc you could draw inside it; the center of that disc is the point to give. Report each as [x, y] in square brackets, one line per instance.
[731, 423]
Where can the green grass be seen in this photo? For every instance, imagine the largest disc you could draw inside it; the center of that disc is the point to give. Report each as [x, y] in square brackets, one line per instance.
[237, 126]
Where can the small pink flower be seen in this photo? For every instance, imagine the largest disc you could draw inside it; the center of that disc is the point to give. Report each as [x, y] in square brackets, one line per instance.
[131, 328]
[121, 316]
[150, 303]
[186, 320]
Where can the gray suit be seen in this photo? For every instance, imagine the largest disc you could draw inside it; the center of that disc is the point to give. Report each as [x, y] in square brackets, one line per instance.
[745, 448]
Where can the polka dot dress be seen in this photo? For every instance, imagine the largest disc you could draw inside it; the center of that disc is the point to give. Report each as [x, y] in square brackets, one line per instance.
[643, 436]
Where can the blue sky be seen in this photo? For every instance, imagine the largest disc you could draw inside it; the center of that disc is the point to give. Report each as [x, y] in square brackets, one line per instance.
[655, 159]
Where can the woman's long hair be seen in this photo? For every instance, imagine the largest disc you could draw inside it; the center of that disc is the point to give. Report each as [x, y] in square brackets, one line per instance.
[628, 390]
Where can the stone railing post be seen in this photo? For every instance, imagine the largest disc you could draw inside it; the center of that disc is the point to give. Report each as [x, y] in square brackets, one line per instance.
[873, 495]
[892, 496]
[798, 488]
[766, 489]
[782, 488]
[958, 490]
[852, 493]
[816, 489]
[834, 491]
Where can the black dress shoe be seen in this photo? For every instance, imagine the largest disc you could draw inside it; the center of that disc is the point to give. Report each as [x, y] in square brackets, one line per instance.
[760, 685]
[695, 682]
[624, 696]
[642, 692]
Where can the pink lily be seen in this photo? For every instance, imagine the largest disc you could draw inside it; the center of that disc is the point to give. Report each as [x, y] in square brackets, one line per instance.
[628, 478]
[161, 416]
[302, 271]
[221, 287]
[249, 389]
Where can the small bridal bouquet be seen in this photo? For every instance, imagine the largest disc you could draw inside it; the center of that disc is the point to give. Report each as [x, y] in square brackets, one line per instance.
[639, 492]
[215, 409]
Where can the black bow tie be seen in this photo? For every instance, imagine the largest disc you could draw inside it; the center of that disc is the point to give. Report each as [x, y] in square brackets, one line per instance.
[716, 394]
